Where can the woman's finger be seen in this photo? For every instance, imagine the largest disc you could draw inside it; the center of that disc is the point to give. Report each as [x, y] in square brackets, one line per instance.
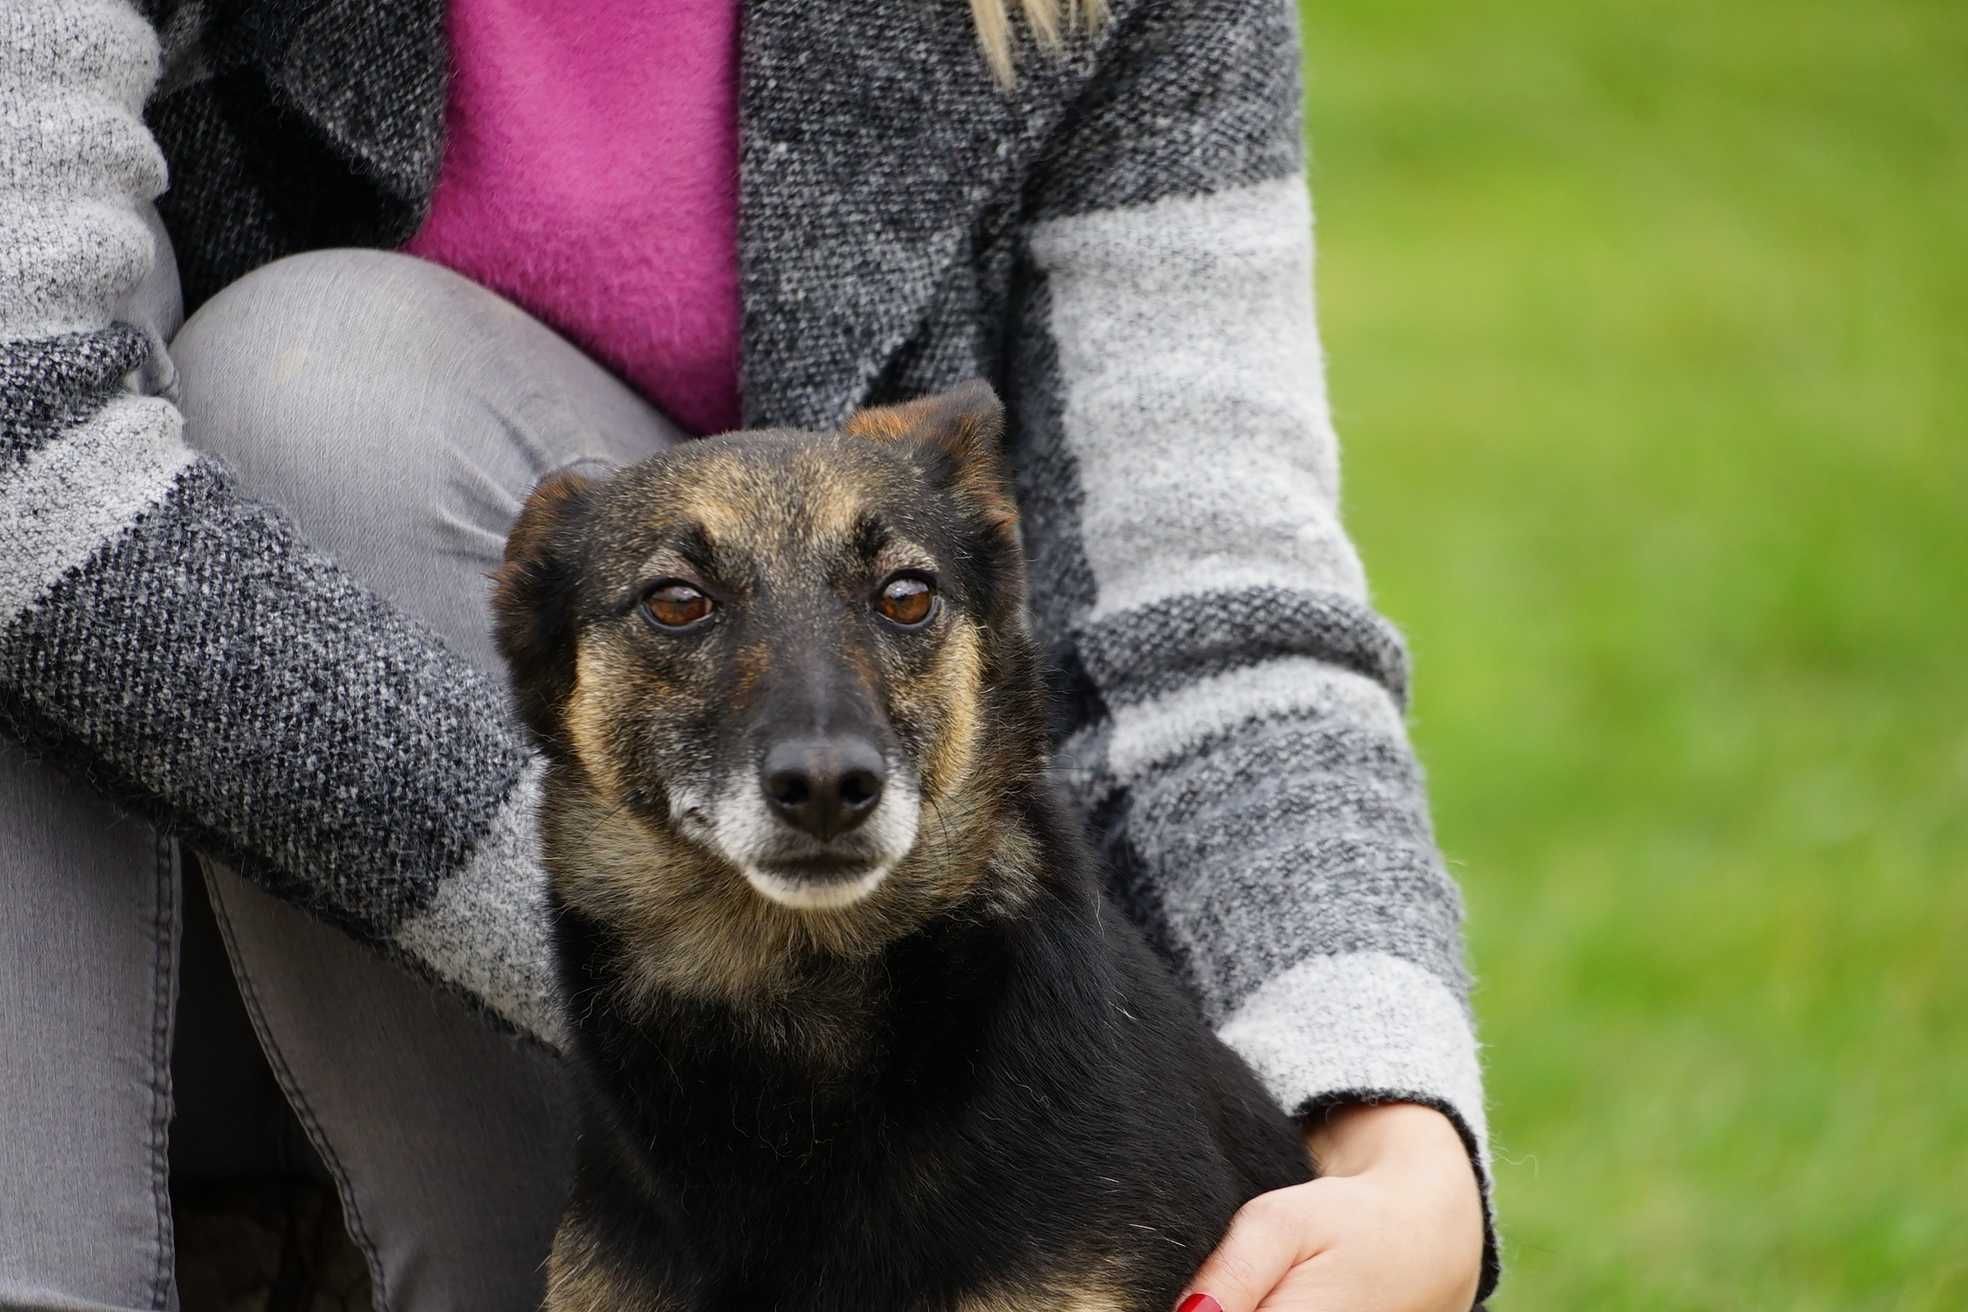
[1270, 1235]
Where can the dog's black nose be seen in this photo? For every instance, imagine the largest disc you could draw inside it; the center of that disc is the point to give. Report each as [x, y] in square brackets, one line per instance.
[823, 786]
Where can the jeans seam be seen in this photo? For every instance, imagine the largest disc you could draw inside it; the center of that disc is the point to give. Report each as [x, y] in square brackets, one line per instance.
[303, 1109]
[163, 935]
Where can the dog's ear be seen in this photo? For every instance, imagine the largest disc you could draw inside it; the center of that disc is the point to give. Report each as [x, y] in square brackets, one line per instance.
[956, 438]
[533, 601]
[960, 436]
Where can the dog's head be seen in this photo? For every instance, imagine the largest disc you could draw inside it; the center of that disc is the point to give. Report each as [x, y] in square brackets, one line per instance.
[791, 666]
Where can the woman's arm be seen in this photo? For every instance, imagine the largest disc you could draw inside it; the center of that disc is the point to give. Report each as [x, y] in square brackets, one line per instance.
[178, 646]
[1237, 728]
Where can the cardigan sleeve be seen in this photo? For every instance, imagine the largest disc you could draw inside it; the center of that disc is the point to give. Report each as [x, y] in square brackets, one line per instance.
[175, 644]
[1234, 705]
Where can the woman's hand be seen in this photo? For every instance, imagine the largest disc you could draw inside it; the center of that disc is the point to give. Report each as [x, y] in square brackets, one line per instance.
[1394, 1224]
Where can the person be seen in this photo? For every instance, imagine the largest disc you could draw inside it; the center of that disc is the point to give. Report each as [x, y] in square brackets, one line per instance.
[430, 252]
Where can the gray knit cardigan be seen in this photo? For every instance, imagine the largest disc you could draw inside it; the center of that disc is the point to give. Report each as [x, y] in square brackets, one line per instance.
[1122, 242]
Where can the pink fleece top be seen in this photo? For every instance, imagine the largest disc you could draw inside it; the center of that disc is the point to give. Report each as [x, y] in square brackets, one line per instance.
[590, 175]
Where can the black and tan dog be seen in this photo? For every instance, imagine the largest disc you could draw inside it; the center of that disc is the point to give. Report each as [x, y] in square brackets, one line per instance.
[855, 1027]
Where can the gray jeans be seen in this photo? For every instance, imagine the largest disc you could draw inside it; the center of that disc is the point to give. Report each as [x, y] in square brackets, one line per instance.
[399, 413]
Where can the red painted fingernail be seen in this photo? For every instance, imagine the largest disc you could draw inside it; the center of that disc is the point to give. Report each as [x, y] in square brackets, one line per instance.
[1199, 1303]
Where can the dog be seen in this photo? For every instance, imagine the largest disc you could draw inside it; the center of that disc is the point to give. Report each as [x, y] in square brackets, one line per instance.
[853, 1023]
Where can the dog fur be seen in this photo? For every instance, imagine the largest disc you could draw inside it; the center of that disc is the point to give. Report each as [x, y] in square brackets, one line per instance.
[943, 1073]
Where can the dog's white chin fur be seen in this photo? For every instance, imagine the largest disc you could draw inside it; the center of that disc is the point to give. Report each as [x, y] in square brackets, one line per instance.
[815, 894]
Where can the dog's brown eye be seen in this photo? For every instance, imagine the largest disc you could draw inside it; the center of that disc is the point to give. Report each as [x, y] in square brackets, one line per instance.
[676, 606]
[908, 599]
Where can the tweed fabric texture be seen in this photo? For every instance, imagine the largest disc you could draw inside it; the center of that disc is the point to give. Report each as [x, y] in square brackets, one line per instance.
[1122, 243]
[50, 386]
[216, 607]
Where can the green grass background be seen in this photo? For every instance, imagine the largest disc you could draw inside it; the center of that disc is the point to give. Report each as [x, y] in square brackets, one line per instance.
[1648, 338]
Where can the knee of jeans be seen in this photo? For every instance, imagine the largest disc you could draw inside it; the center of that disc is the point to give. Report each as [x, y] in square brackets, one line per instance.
[319, 373]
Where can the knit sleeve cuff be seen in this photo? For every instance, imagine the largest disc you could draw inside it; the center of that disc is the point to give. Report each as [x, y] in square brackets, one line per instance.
[1369, 1027]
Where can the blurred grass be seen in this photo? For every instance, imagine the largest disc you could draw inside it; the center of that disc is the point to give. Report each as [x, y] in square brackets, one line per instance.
[1648, 325]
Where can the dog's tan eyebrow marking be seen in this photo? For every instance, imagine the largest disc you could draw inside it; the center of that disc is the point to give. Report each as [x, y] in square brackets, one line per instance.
[689, 554]
[899, 553]
[718, 492]
[686, 550]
